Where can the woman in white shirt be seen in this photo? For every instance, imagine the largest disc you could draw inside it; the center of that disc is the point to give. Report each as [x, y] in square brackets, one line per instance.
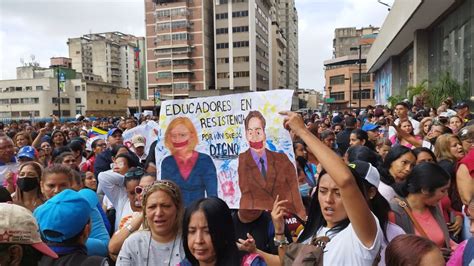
[160, 244]
[339, 209]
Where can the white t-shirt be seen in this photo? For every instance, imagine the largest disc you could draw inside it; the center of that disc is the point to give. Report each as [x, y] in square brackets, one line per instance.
[111, 183]
[393, 231]
[415, 124]
[141, 249]
[345, 247]
[386, 191]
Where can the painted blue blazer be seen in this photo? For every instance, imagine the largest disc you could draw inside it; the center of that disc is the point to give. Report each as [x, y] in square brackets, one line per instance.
[203, 178]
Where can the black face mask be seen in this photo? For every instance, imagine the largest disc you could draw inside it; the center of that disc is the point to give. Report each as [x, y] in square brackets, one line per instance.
[27, 184]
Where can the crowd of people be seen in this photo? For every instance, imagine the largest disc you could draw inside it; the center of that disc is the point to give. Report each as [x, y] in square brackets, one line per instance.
[380, 186]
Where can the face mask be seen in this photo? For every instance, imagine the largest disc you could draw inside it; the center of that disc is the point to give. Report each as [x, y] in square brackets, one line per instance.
[28, 183]
[304, 189]
[180, 144]
[256, 145]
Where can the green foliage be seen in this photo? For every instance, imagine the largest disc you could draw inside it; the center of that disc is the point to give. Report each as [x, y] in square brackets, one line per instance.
[394, 99]
[445, 87]
[417, 90]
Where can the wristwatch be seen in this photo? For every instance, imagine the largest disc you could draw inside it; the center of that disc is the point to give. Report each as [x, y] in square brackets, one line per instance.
[129, 228]
[280, 243]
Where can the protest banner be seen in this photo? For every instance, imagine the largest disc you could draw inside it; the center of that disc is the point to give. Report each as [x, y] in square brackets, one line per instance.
[206, 148]
[149, 131]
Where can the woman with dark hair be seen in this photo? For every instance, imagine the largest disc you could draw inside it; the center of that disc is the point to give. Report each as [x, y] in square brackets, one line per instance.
[98, 146]
[307, 172]
[58, 139]
[339, 209]
[77, 150]
[208, 235]
[423, 154]
[48, 153]
[407, 250]
[418, 211]
[363, 153]
[360, 137]
[407, 127]
[398, 163]
[28, 192]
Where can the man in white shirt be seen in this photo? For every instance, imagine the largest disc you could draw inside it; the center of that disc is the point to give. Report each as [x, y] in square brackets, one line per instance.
[401, 110]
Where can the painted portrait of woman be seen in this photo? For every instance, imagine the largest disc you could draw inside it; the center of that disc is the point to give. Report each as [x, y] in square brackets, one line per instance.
[194, 172]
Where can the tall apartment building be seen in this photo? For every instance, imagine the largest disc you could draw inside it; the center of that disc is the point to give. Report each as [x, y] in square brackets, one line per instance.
[288, 21]
[110, 55]
[243, 42]
[342, 71]
[179, 39]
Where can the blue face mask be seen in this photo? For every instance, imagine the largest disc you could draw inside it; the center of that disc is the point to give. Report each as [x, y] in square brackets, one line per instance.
[304, 189]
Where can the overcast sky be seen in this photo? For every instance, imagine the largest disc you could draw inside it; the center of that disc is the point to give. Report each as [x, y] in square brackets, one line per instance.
[42, 27]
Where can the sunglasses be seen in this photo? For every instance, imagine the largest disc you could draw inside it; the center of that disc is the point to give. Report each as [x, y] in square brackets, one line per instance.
[135, 173]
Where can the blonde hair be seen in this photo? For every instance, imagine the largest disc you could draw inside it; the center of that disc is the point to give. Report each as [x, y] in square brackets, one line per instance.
[24, 134]
[421, 129]
[186, 122]
[442, 147]
[173, 191]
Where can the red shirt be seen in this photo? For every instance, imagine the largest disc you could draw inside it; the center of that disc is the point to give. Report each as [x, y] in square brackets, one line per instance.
[186, 166]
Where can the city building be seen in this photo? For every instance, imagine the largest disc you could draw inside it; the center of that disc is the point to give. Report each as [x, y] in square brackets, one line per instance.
[34, 94]
[351, 46]
[110, 55]
[180, 49]
[422, 40]
[288, 22]
[243, 45]
[311, 99]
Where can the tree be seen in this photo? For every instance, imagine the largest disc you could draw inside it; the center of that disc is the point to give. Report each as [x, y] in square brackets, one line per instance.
[445, 87]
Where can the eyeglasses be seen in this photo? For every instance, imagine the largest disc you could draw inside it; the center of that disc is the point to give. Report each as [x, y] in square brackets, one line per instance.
[139, 190]
[135, 173]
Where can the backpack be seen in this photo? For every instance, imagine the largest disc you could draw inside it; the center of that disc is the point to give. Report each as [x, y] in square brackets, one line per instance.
[306, 254]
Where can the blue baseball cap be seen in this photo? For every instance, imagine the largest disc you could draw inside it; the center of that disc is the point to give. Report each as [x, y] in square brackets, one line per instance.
[369, 127]
[112, 131]
[27, 151]
[63, 216]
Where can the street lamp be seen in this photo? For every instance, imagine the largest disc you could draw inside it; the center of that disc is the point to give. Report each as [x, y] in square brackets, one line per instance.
[350, 92]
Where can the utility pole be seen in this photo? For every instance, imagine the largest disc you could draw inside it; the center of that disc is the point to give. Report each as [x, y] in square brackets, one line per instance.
[360, 77]
[59, 91]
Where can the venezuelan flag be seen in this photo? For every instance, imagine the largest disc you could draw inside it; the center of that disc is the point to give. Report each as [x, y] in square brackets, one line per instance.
[95, 131]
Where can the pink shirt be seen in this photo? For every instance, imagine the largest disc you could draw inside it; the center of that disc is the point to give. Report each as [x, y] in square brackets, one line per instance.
[430, 226]
[186, 166]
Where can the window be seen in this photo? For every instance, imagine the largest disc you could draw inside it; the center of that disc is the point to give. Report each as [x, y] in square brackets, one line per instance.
[243, 13]
[65, 100]
[338, 96]
[222, 30]
[4, 101]
[115, 102]
[365, 77]
[241, 74]
[222, 16]
[97, 101]
[163, 75]
[241, 59]
[66, 113]
[78, 100]
[14, 101]
[223, 60]
[29, 88]
[222, 45]
[39, 88]
[223, 75]
[240, 29]
[101, 101]
[241, 44]
[365, 94]
[18, 89]
[334, 80]
[36, 113]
